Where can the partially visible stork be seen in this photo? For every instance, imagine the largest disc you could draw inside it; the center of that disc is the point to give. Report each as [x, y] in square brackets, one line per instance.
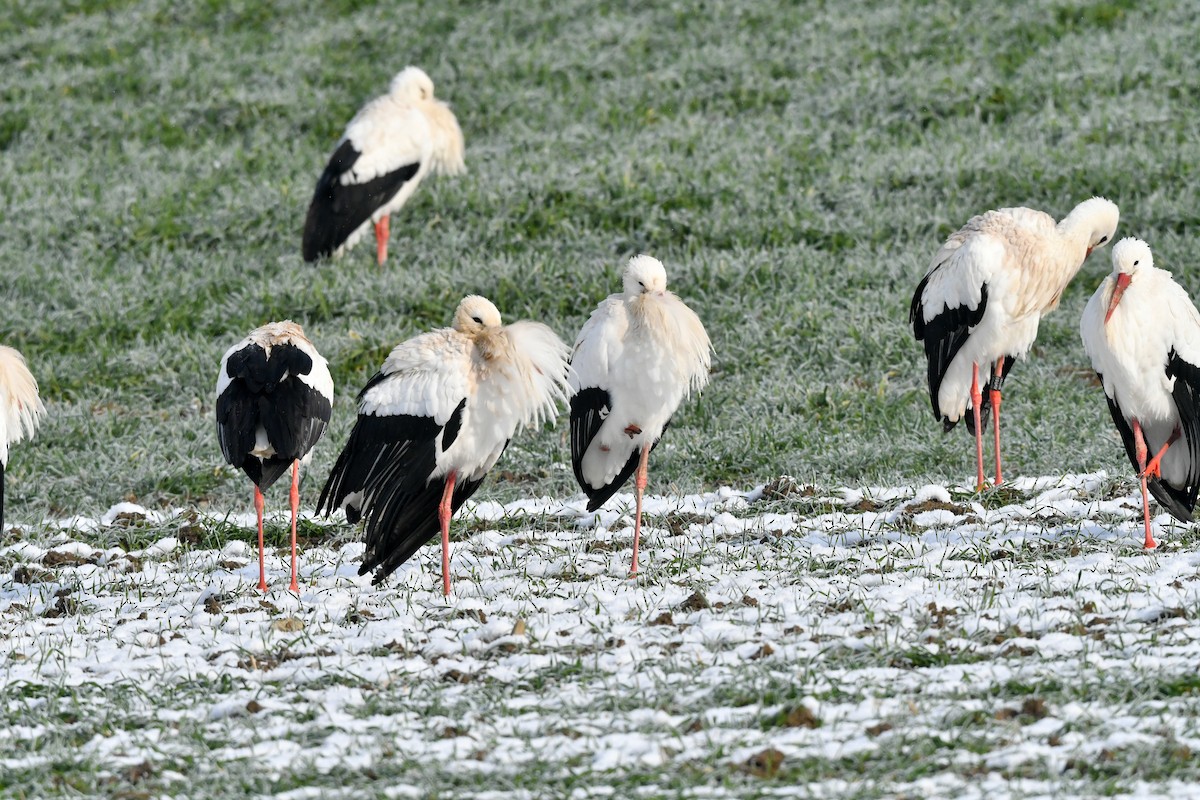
[637, 357]
[21, 408]
[1142, 333]
[979, 304]
[274, 399]
[433, 421]
[392, 143]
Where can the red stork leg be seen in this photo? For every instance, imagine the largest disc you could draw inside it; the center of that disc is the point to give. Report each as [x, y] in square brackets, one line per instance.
[1139, 448]
[1154, 467]
[639, 487]
[381, 240]
[295, 500]
[995, 397]
[444, 512]
[262, 569]
[976, 401]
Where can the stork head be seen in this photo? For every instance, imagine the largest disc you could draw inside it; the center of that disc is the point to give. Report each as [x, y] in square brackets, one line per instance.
[475, 314]
[411, 84]
[644, 275]
[1097, 220]
[1129, 256]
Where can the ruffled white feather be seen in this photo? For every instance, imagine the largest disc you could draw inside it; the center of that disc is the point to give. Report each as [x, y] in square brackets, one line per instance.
[21, 409]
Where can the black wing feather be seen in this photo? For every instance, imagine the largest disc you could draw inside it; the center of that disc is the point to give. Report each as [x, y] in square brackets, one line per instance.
[1172, 499]
[237, 409]
[378, 445]
[263, 472]
[404, 527]
[266, 390]
[944, 336]
[338, 209]
[589, 407]
[389, 459]
[294, 414]
[1186, 394]
[454, 425]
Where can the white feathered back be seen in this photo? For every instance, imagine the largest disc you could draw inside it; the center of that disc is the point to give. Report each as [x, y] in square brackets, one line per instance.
[448, 145]
[540, 357]
[21, 408]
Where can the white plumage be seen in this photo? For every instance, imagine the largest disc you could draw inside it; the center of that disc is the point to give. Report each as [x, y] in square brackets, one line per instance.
[981, 300]
[21, 408]
[639, 355]
[392, 143]
[434, 420]
[274, 399]
[1142, 333]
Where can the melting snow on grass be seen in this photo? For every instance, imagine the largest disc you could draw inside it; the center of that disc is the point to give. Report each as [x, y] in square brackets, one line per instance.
[923, 641]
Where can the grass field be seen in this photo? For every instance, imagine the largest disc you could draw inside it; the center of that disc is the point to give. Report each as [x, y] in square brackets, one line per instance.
[793, 165]
[868, 644]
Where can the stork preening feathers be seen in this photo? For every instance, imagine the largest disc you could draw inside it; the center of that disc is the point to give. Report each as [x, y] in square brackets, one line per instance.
[1142, 333]
[274, 399]
[433, 421]
[21, 408]
[637, 357]
[979, 304]
[391, 144]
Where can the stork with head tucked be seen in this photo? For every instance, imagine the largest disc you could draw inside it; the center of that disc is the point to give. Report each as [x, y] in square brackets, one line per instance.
[979, 304]
[433, 421]
[1142, 333]
[639, 355]
[274, 400]
[21, 408]
[391, 144]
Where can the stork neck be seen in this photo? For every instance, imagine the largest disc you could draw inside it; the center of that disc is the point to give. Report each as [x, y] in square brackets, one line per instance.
[1077, 230]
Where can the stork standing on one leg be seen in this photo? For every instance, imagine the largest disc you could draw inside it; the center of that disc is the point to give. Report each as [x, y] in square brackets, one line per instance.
[637, 357]
[433, 421]
[979, 304]
[274, 399]
[1142, 333]
[21, 408]
[391, 144]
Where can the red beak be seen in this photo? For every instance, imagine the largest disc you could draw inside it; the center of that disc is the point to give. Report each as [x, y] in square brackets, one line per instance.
[1122, 285]
[1089, 252]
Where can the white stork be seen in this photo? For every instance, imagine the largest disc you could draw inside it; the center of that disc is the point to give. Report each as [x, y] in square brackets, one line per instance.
[979, 304]
[637, 357]
[391, 144]
[21, 408]
[274, 399]
[1143, 336]
[433, 421]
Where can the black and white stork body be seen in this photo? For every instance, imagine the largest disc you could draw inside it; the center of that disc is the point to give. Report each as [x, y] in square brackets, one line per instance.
[637, 357]
[1142, 333]
[391, 144]
[21, 408]
[979, 304]
[433, 421]
[274, 399]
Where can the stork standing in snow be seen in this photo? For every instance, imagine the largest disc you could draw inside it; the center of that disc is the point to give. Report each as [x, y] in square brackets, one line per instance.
[433, 421]
[391, 144]
[20, 408]
[979, 304]
[1143, 336]
[637, 357]
[274, 399]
